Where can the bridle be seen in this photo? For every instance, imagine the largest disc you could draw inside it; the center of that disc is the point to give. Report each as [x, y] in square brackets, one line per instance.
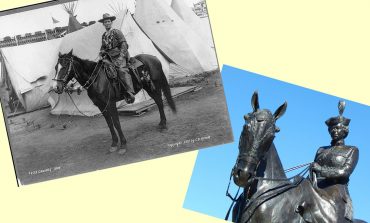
[87, 84]
[70, 67]
[252, 159]
[250, 156]
[70, 61]
[297, 179]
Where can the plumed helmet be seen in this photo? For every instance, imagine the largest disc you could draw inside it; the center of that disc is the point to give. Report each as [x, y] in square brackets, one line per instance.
[339, 120]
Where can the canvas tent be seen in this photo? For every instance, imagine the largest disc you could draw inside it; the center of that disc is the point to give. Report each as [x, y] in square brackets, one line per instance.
[30, 69]
[2, 73]
[200, 25]
[174, 37]
[191, 57]
[86, 44]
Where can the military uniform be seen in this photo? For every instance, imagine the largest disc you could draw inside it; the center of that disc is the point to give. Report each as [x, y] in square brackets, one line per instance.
[334, 164]
[115, 45]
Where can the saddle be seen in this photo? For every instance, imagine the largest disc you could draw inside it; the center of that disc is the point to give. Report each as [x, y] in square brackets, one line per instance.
[140, 76]
[310, 203]
[109, 68]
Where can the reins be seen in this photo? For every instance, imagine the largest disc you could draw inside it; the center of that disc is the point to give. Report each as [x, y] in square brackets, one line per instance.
[234, 199]
[93, 77]
[105, 109]
[297, 176]
[302, 173]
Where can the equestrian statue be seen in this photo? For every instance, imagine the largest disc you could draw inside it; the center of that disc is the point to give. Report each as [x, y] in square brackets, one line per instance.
[269, 196]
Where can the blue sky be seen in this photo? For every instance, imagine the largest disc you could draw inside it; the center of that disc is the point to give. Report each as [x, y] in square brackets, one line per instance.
[303, 131]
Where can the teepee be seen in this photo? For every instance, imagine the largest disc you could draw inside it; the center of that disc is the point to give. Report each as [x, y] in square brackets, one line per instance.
[200, 25]
[190, 56]
[73, 24]
[177, 40]
[117, 7]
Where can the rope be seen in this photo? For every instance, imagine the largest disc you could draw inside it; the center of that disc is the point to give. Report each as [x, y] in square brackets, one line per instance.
[234, 199]
[300, 174]
[297, 167]
[76, 105]
[86, 88]
[228, 187]
[106, 106]
[96, 76]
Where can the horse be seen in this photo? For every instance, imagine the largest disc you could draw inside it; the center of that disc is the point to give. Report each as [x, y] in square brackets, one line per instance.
[268, 195]
[101, 92]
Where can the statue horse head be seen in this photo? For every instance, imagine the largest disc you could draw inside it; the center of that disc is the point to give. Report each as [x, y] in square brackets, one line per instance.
[255, 140]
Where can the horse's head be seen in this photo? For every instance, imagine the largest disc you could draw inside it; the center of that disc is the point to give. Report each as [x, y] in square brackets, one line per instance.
[64, 71]
[255, 140]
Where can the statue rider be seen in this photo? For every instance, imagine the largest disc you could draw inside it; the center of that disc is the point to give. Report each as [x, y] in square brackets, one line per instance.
[115, 45]
[335, 163]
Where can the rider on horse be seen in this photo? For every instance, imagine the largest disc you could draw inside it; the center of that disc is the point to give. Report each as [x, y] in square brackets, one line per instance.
[335, 163]
[115, 46]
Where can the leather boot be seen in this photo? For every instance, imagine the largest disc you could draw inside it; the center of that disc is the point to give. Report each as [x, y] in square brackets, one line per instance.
[126, 78]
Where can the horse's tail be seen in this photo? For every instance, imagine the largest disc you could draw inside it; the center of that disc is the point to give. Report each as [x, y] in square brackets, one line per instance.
[155, 69]
[167, 93]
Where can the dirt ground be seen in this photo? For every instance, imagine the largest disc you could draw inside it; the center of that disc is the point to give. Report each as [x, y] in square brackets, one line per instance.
[42, 149]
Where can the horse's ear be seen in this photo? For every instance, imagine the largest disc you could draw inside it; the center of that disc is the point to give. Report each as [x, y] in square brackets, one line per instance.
[70, 52]
[255, 103]
[280, 111]
[60, 54]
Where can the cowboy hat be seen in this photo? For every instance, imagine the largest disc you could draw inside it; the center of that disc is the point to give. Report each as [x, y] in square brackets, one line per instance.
[106, 16]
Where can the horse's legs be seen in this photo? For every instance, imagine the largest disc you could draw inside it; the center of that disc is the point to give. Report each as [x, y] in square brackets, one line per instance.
[157, 97]
[106, 111]
[117, 125]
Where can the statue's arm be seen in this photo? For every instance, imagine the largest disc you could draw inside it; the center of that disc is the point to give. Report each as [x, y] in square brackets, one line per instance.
[343, 171]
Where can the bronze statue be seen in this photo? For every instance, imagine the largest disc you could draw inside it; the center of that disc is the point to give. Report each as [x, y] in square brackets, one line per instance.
[269, 196]
[335, 163]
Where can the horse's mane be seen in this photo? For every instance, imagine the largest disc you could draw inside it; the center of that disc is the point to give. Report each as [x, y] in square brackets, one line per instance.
[86, 65]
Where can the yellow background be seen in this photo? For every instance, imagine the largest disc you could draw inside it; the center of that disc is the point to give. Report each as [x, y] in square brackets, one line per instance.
[322, 45]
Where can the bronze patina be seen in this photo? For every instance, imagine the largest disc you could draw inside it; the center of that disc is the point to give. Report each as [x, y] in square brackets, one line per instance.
[335, 163]
[269, 196]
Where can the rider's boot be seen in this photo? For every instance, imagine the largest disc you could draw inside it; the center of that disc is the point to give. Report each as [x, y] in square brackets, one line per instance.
[126, 78]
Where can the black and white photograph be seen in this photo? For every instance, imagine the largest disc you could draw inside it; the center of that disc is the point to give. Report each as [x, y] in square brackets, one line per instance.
[92, 84]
